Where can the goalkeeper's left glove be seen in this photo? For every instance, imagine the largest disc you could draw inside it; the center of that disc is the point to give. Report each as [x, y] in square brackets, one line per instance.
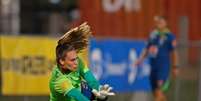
[103, 92]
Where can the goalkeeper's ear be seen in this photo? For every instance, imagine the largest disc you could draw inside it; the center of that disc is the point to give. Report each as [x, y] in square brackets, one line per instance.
[61, 61]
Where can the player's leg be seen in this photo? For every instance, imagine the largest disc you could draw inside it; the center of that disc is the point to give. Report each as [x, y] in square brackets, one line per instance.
[162, 83]
[156, 89]
[159, 93]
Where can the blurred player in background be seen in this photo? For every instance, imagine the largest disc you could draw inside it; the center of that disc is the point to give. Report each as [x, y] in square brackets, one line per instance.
[67, 76]
[161, 44]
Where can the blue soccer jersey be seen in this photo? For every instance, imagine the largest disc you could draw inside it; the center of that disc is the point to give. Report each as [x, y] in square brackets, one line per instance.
[159, 47]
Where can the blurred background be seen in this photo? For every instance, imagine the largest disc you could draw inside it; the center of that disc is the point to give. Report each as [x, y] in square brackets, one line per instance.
[29, 30]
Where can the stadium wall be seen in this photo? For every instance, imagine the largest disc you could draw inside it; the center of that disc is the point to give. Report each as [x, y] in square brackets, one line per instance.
[133, 19]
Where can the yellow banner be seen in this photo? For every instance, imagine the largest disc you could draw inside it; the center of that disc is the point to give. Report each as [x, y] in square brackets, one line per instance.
[26, 64]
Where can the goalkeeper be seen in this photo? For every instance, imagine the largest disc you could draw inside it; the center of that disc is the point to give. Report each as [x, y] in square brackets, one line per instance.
[66, 78]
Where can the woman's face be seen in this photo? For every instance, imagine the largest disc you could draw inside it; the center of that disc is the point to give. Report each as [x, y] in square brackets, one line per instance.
[70, 62]
[160, 23]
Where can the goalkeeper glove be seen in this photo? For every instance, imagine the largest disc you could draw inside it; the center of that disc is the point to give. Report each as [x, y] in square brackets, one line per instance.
[103, 92]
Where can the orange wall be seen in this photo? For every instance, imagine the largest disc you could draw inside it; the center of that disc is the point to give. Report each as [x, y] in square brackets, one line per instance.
[137, 24]
[189, 8]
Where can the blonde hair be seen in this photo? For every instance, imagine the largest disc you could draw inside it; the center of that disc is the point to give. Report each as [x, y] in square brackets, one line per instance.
[78, 37]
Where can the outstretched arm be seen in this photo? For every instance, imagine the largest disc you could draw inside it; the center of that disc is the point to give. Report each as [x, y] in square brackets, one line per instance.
[175, 59]
[91, 80]
[99, 91]
[145, 52]
[142, 57]
[74, 93]
[88, 75]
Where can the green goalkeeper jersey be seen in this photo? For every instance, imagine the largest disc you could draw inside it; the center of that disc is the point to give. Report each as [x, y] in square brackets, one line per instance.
[64, 85]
